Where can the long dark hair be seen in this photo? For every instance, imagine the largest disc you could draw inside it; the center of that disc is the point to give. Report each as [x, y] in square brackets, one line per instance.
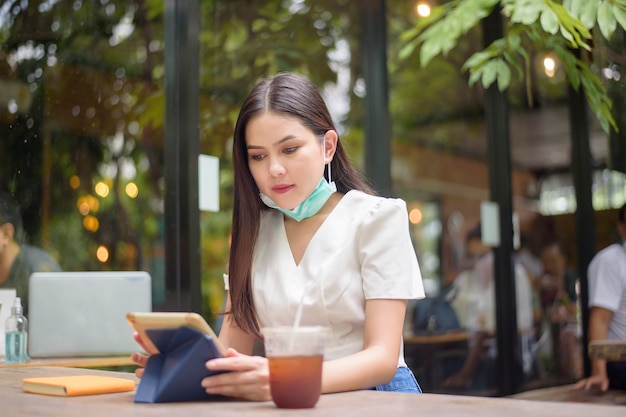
[294, 96]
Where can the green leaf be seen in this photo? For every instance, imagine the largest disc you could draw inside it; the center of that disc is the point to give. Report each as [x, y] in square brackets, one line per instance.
[489, 71]
[476, 60]
[588, 12]
[474, 77]
[503, 75]
[514, 40]
[514, 63]
[549, 21]
[526, 12]
[407, 50]
[571, 28]
[428, 51]
[606, 19]
[620, 15]
[568, 37]
[436, 14]
[574, 6]
[568, 60]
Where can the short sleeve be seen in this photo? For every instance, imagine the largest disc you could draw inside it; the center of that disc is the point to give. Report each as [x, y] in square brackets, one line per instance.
[605, 286]
[389, 264]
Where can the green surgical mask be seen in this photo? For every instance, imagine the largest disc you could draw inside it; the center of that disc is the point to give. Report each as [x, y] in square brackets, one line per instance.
[309, 207]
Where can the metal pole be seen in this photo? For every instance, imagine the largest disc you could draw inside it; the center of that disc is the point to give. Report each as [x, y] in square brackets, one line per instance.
[377, 124]
[182, 214]
[584, 216]
[509, 361]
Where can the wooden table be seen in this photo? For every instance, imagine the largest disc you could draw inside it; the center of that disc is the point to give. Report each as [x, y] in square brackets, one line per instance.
[15, 403]
[611, 350]
[100, 362]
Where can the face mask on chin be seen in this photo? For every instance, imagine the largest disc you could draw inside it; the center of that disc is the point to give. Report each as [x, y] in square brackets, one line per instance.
[313, 203]
[309, 207]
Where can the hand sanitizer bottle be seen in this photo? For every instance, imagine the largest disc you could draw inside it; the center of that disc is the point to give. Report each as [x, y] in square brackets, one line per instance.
[16, 334]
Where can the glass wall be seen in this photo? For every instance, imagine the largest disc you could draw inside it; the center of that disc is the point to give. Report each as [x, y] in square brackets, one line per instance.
[440, 157]
[81, 110]
[82, 113]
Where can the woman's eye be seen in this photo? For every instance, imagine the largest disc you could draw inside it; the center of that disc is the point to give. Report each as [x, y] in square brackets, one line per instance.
[290, 149]
[257, 157]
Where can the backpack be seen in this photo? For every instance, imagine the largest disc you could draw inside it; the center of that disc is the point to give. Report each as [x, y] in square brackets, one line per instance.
[435, 314]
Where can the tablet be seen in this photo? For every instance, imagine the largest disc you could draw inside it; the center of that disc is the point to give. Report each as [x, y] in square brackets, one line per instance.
[170, 320]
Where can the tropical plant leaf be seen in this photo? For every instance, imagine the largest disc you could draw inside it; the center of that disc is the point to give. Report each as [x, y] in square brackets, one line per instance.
[549, 24]
[580, 75]
[588, 11]
[408, 49]
[574, 6]
[443, 35]
[503, 74]
[525, 12]
[620, 15]
[578, 32]
[489, 73]
[549, 21]
[515, 63]
[606, 19]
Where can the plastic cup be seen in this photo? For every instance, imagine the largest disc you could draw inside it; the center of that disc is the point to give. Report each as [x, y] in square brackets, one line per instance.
[295, 358]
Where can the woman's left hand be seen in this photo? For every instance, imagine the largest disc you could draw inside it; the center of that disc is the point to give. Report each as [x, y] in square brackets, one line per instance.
[248, 377]
[139, 358]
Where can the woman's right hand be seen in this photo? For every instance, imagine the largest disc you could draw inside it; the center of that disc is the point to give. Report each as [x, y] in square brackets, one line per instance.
[138, 357]
[595, 380]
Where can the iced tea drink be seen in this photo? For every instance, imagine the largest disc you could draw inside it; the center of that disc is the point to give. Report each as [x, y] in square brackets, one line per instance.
[296, 381]
[295, 362]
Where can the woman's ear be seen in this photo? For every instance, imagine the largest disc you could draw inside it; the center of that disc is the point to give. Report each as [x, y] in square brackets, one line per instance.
[330, 143]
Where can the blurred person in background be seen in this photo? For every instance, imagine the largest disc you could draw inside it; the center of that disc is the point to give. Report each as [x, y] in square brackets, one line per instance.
[17, 259]
[607, 308]
[474, 303]
[560, 342]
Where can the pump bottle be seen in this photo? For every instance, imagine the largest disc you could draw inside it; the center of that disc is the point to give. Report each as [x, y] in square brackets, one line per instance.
[16, 334]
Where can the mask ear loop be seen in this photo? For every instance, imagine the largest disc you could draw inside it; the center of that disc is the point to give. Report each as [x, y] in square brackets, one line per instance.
[331, 183]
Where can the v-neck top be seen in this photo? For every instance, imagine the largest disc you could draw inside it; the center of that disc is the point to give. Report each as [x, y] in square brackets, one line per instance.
[361, 251]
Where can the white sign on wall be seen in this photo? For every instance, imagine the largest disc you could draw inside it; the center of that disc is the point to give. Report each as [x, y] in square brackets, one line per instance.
[208, 183]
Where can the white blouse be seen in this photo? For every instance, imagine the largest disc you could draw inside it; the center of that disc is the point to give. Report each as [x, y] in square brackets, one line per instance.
[362, 251]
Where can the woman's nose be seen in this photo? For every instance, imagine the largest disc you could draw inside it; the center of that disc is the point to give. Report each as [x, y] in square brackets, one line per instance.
[276, 168]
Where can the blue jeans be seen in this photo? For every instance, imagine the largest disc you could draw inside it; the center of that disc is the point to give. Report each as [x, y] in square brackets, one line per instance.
[616, 372]
[403, 381]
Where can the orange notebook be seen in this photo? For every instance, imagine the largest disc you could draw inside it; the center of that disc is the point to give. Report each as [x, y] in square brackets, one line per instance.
[70, 386]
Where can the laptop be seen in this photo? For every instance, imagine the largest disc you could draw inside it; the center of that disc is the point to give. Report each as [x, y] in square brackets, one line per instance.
[82, 314]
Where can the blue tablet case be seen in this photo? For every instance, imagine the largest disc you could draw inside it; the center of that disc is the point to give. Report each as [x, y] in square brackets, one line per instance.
[176, 372]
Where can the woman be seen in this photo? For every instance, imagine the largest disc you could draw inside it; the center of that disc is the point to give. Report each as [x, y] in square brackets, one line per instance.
[342, 251]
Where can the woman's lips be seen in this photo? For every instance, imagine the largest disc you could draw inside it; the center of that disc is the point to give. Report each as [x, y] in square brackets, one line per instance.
[281, 189]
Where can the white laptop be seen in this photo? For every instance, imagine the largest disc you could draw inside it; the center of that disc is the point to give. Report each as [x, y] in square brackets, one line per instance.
[74, 314]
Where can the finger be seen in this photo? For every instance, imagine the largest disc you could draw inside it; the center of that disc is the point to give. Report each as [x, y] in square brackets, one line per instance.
[231, 353]
[245, 382]
[239, 387]
[140, 341]
[139, 372]
[252, 393]
[139, 358]
[239, 363]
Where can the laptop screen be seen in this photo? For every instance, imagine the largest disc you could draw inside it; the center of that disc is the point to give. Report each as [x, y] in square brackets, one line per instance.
[74, 314]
